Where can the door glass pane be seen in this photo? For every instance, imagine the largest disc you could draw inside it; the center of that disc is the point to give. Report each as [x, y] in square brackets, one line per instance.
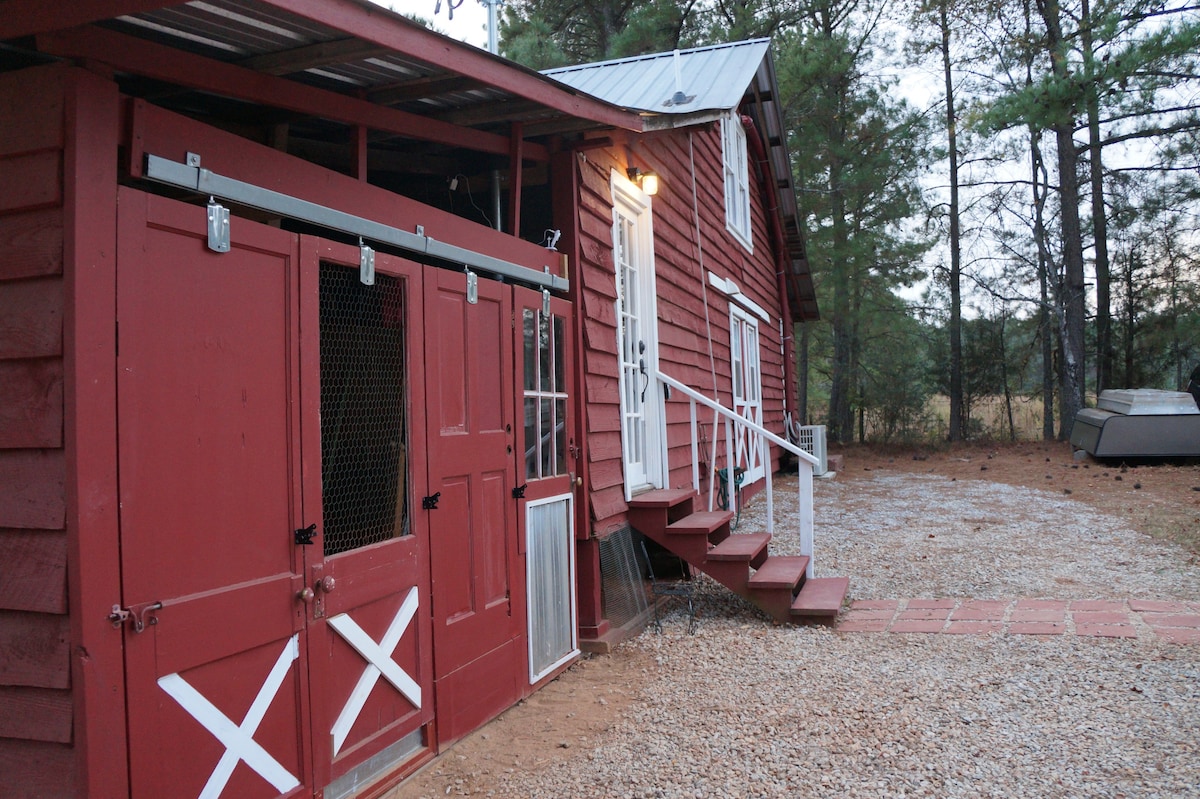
[546, 443]
[560, 439]
[560, 355]
[529, 328]
[545, 352]
[363, 401]
[531, 438]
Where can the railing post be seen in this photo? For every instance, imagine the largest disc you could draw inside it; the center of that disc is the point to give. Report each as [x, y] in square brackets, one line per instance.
[730, 489]
[695, 449]
[804, 511]
[765, 457]
[712, 457]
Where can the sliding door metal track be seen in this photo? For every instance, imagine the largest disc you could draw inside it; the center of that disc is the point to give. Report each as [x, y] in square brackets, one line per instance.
[205, 182]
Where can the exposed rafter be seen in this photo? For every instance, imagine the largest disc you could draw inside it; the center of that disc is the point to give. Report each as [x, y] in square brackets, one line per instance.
[137, 56]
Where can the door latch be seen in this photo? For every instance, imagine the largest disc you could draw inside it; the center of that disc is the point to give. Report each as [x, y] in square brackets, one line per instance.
[304, 536]
[142, 615]
[519, 491]
[431, 502]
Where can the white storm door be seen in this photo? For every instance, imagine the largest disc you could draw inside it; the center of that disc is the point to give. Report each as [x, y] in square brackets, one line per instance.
[747, 392]
[637, 340]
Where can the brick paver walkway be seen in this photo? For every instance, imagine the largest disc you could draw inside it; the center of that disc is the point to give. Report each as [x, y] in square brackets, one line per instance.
[1177, 622]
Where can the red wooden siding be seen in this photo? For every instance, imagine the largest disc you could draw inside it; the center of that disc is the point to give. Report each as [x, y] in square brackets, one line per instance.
[681, 266]
[36, 712]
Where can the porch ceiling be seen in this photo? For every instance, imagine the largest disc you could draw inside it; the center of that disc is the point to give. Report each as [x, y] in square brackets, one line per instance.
[316, 65]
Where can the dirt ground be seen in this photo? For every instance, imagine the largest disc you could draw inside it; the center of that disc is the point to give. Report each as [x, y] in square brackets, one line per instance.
[1160, 499]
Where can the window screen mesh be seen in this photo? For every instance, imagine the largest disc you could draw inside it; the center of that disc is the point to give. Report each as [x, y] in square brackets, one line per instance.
[623, 589]
[363, 396]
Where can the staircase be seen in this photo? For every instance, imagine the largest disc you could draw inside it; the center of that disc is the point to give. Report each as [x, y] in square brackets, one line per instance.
[740, 562]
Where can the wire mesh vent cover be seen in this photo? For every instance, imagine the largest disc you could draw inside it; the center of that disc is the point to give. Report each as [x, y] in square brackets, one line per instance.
[622, 590]
[363, 397]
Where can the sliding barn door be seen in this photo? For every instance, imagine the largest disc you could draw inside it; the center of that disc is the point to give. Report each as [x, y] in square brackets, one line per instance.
[209, 464]
[477, 575]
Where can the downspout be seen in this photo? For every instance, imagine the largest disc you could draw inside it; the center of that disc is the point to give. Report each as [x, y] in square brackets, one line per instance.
[771, 204]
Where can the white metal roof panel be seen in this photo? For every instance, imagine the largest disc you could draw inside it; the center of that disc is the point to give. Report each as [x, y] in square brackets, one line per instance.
[710, 78]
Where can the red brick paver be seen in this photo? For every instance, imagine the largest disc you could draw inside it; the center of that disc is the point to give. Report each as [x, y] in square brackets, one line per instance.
[974, 627]
[1169, 621]
[1037, 628]
[1107, 630]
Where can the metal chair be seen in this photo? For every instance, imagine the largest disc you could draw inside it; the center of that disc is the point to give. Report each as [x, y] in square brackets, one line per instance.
[660, 588]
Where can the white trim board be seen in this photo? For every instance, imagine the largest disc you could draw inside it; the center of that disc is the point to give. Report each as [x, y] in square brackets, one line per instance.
[731, 290]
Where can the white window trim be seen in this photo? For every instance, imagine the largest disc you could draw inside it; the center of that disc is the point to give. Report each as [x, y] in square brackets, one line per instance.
[737, 180]
[731, 290]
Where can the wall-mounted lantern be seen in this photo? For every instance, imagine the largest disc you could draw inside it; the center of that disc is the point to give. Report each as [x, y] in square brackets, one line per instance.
[646, 179]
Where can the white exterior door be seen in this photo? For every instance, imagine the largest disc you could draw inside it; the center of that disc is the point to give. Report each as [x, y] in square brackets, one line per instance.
[637, 339]
[747, 392]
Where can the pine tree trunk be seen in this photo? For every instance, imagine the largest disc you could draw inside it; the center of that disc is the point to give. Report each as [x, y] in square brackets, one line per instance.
[1043, 269]
[1072, 289]
[1104, 348]
[956, 360]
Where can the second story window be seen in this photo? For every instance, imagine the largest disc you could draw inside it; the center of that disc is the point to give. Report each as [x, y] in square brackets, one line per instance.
[737, 179]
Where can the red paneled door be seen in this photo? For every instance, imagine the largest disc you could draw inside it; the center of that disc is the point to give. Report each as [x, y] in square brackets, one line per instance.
[477, 567]
[368, 567]
[209, 466]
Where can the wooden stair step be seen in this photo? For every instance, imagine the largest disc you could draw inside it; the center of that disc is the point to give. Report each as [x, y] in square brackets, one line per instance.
[821, 596]
[740, 547]
[662, 498]
[780, 571]
[702, 523]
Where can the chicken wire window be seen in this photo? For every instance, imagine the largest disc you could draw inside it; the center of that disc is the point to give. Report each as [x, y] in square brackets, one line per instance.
[363, 400]
[545, 385]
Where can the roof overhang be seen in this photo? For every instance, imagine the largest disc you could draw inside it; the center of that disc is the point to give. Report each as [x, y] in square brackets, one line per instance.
[341, 61]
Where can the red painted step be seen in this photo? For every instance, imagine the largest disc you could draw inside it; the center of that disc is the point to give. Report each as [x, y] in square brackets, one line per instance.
[780, 571]
[821, 596]
[740, 547]
[705, 522]
[662, 498]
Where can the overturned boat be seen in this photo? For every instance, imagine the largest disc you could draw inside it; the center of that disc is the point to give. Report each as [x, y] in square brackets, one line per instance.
[1139, 423]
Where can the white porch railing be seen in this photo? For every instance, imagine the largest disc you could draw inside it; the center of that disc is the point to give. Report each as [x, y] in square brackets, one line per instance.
[734, 422]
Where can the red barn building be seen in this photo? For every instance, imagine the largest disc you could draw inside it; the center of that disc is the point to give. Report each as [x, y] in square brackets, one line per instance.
[691, 272]
[294, 479]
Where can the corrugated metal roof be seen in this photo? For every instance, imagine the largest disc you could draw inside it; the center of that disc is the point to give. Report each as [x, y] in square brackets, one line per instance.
[710, 78]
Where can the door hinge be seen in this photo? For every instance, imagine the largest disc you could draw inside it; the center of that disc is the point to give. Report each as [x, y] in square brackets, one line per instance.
[431, 502]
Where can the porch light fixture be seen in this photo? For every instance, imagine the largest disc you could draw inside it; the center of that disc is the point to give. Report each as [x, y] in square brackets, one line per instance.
[647, 179]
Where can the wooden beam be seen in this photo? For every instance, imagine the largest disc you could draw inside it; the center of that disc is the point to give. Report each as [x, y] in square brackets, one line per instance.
[414, 40]
[515, 178]
[312, 56]
[129, 54]
[418, 88]
[29, 17]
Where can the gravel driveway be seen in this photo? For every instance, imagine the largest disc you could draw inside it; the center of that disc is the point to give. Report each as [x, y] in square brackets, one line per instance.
[747, 709]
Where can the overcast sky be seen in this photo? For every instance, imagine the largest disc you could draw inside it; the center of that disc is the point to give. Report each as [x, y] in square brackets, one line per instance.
[469, 23]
